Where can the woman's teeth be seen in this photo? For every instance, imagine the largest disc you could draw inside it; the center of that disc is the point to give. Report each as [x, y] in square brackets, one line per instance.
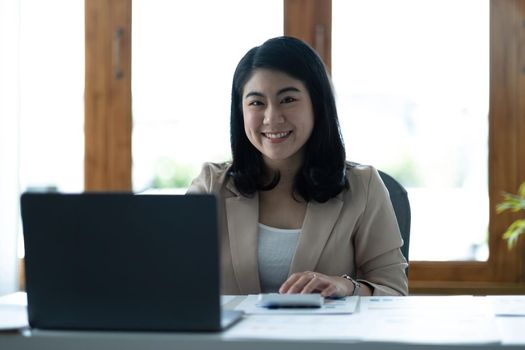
[276, 135]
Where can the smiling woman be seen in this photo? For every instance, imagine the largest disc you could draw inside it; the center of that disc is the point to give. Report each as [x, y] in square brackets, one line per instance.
[169, 105]
[297, 217]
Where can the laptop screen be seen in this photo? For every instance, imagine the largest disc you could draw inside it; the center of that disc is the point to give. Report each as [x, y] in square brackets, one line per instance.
[122, 261]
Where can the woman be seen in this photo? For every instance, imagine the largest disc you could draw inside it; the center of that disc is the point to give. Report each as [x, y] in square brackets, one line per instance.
[295, 216]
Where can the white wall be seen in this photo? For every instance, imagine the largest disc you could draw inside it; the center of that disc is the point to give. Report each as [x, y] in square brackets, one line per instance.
[9, 143]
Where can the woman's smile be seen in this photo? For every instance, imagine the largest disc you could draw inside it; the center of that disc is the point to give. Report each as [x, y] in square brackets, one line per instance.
[277, 137]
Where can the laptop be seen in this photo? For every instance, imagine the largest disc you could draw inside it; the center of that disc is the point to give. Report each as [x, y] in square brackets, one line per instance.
[120, 261]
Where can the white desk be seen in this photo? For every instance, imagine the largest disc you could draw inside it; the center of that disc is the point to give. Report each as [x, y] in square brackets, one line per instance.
[407, 323]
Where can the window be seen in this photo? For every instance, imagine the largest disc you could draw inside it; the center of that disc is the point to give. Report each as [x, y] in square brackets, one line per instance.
[41, 111]
[413, 101]
[52, 95]
[182, 82]
[503, 270]
[9, 152]
[501, 273]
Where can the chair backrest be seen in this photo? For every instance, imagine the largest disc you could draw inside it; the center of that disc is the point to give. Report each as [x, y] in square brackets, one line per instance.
[401, 204]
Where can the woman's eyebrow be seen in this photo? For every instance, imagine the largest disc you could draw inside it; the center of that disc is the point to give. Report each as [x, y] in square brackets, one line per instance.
[253, 93]
[281, 91]
[288, 89]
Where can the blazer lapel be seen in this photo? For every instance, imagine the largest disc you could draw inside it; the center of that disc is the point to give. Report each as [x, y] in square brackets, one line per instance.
[243, 214]
[318, 225]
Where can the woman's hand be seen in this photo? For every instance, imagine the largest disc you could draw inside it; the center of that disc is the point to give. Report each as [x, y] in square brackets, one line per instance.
[310, 282]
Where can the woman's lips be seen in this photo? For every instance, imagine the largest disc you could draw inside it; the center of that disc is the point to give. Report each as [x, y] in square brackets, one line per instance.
[277, 136]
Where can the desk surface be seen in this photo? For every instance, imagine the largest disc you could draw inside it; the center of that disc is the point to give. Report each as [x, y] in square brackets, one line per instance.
[380, 323]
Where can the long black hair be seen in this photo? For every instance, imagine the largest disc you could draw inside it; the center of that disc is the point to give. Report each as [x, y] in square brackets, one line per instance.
[323, 172]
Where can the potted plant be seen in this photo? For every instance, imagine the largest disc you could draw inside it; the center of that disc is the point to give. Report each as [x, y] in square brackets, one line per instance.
[515, 203]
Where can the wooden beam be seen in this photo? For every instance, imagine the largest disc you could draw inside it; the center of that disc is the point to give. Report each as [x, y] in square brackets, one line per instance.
[465, 288]
[311, 21]
[108, 95]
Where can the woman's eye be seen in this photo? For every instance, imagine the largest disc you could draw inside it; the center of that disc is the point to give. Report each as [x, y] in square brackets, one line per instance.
[255, 103]
[288, 99]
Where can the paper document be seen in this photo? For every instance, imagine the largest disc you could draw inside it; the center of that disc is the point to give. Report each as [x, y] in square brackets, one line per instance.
[225, 299]
[18, 298]
[416, 320]
[13, 312]
[511, 330]
[346, 305]
[508, 305]
[297, 327]
[429, 320]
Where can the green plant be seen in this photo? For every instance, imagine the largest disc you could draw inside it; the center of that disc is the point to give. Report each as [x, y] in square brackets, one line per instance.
[515, 203]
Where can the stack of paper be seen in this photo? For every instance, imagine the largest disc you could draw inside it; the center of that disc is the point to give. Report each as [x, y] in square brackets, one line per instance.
[13, 312]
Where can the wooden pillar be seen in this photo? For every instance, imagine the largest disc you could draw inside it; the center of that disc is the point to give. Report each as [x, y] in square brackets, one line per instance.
[311, 21]
[108, 95]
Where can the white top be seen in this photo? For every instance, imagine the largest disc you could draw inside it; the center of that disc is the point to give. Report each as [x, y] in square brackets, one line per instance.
[275, 249]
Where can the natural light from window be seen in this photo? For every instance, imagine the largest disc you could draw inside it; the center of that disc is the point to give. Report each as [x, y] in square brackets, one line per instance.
[51, 115]
[184, 56]
[52, 95]
[411, 79]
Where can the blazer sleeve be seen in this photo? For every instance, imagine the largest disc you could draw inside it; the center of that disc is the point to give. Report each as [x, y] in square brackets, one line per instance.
[211, 179]
[379, 261]
[202, 183]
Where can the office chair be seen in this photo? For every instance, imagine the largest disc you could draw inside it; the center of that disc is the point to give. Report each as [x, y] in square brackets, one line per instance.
[399, 199]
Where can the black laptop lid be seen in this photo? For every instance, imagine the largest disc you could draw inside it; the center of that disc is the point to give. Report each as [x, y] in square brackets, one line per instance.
[121, 261]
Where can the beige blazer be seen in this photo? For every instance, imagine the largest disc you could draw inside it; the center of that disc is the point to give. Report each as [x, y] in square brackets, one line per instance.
[355, 233]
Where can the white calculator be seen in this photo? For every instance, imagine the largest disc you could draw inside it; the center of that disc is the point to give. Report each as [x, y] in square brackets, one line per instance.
[276, 300]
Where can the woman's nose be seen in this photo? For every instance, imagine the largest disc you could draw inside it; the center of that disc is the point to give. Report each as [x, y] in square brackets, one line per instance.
[273, 115]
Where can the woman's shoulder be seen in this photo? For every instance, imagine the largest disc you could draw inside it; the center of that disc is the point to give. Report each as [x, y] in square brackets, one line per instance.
[216, 169]
[362, 175]
[358, 170]
[211, 178]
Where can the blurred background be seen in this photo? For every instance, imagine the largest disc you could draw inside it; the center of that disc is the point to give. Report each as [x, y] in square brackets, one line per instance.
[411, 80]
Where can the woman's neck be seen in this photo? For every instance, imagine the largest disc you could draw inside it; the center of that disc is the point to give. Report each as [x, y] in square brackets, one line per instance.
[287, 169]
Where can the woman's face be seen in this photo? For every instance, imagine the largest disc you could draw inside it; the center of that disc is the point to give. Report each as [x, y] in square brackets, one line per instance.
[278, 116]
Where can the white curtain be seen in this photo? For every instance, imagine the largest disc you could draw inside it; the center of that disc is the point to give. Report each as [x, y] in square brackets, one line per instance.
[9, 143]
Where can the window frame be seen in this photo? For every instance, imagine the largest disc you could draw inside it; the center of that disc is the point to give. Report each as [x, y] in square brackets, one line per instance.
[108, 127]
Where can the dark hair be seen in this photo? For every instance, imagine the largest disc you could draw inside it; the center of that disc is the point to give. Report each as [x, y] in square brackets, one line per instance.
[323, 172]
